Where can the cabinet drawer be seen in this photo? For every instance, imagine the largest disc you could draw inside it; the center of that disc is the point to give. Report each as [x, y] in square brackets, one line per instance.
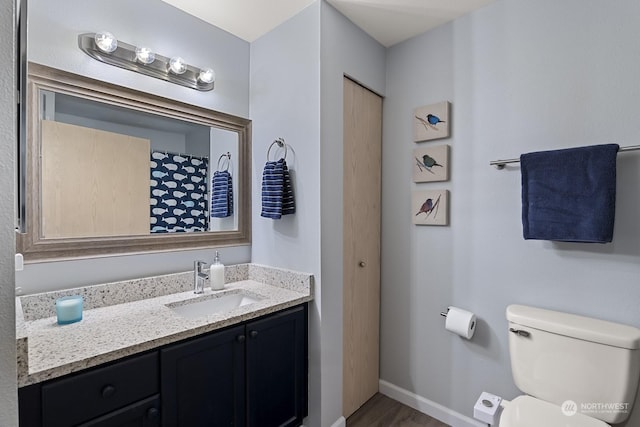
[142, 414]
[81, 397]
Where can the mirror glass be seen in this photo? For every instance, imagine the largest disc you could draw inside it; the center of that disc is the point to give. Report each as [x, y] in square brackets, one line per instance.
[109, 171]
[133, 171]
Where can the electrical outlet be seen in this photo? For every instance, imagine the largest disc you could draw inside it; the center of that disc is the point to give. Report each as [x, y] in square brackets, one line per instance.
[19, 262]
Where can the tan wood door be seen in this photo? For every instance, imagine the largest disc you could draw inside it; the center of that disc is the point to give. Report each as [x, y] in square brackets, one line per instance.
[94, 183]
[361, 221]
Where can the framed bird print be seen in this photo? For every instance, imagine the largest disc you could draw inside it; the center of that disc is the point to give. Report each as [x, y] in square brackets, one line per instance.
[430, 207]
[431, 164]
[431, 122]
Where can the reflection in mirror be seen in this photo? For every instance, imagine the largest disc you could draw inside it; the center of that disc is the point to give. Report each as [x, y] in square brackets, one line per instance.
[112, 170]
[98, 179]
[223, 202]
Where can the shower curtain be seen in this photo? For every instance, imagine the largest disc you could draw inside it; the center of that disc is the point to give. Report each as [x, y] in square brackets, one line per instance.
[178, 193]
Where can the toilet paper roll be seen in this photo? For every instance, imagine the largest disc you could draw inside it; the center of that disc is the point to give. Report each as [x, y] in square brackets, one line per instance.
[461, 322]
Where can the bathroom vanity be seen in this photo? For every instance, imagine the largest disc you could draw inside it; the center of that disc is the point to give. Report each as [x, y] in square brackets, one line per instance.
[150, 361]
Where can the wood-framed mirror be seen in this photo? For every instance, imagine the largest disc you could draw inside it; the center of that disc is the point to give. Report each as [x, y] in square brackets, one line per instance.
[110, 170]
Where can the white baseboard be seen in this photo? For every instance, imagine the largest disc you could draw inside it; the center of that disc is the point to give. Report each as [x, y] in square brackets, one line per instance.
[341, 422]
[426, 406]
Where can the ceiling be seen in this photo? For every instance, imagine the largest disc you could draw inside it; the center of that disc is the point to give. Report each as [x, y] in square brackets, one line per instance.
[387, 21]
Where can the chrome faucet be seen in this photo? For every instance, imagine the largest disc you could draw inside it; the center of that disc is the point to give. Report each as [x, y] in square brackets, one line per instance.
[199, 277]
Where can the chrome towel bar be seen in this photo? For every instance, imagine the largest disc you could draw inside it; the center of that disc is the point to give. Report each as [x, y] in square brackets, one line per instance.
[500, 164]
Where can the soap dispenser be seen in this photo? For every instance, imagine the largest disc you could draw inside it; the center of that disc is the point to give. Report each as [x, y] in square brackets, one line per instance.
[216, 274]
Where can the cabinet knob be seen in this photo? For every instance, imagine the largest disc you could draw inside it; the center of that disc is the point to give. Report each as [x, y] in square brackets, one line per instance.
[108, 391]
[362, 264]
[253, 334]
[152, 413]
[240, 338]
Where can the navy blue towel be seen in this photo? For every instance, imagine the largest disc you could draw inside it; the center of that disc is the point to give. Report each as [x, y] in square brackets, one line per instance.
[277, 191]
[221, 195]
[288, 201]
[569, 195]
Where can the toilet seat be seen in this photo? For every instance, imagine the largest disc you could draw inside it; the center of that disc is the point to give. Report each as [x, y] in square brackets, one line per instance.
[527, 411]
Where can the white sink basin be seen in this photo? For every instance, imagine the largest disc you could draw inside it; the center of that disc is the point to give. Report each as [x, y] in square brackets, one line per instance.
[211, 304]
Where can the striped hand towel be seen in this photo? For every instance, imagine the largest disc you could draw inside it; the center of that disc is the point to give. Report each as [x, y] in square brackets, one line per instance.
[288, 201]
[221, 195]
[277, 191]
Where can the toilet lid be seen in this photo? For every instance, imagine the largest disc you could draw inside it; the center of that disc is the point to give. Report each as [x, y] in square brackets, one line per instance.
[527, 411]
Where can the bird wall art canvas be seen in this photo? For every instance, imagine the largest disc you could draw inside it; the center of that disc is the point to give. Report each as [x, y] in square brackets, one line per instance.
[431, 164]
[431, 122]
[430, 207]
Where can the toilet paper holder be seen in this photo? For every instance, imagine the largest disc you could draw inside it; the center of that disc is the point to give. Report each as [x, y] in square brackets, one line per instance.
[460, 322]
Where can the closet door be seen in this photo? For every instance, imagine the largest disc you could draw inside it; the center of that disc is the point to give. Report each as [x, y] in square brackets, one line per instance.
[361, 222]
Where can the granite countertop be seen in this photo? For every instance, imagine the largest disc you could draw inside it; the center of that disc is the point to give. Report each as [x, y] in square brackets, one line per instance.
[124, 318]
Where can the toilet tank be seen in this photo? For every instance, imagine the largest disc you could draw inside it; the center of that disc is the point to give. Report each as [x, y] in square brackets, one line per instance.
[558, 356]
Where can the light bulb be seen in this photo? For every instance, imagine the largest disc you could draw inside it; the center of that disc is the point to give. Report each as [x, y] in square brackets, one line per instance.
[177, 65]
[145, 55]
[106, 41]
[207, 76]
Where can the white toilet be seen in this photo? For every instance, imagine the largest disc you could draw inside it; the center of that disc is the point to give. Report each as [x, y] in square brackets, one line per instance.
[576, 371]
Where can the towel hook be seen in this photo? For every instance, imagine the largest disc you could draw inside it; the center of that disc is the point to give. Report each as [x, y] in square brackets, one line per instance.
[228, 156]
[280, 142]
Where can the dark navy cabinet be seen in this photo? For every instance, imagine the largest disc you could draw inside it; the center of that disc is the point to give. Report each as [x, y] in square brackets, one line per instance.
[145, 413]
[253, 374]
[276, 353]
[203, 380]
[120, 394]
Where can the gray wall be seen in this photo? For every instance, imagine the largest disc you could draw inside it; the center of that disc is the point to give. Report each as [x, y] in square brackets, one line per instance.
[285, 102]
[167, 30]
[297, 94]
[522, 76]
[8, 397]
[170, 31]
[346, 50]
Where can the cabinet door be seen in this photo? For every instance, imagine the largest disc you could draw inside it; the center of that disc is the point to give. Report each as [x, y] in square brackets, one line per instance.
[277, 369]
[203, 381]
[142, 414]
[30, 407]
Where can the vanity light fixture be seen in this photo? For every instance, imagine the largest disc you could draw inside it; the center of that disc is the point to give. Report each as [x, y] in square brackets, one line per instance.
[207, 76]
[145, 55]
[104, 47]
[177, 65]
[106, 41]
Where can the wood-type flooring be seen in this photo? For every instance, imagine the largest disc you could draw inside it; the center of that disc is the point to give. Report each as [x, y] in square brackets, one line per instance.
[381, 411]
